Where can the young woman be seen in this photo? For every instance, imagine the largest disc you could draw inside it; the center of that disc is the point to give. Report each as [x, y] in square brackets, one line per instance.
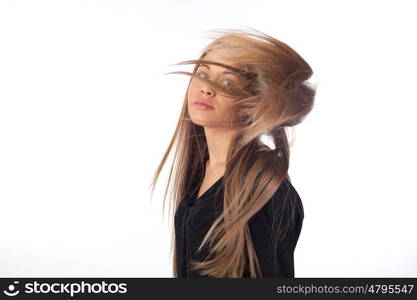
[236, 212]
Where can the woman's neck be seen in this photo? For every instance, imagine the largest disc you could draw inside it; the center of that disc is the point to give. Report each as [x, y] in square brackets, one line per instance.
[218, 142]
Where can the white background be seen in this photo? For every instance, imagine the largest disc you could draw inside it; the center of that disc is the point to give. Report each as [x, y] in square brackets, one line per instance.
[86, 113]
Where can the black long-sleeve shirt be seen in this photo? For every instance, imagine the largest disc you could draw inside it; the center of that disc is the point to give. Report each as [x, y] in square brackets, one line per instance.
[194, 217]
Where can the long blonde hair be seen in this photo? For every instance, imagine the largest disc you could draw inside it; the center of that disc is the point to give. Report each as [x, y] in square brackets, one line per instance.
[276, 97]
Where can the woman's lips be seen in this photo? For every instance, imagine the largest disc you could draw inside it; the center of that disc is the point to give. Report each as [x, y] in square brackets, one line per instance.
[203, 105]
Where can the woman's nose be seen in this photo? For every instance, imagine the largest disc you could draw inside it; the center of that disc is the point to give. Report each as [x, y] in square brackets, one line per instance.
[207, 90]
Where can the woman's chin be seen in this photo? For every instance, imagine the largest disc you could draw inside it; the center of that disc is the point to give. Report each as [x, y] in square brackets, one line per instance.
[201, 122]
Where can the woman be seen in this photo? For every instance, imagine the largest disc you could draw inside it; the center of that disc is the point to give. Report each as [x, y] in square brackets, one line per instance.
[236, 212]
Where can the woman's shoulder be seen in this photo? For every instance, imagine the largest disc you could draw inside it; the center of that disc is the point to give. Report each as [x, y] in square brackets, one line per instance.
[281, 218]
[284, 203]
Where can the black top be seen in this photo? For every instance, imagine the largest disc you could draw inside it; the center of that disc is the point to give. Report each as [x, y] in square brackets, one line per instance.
[194, 217]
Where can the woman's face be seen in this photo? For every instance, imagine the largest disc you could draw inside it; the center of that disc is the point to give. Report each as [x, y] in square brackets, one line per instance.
[222, 110]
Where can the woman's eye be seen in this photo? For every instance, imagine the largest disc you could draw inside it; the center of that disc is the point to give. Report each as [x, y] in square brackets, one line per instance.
[201, 74]
[226, 82]
[230, 84]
